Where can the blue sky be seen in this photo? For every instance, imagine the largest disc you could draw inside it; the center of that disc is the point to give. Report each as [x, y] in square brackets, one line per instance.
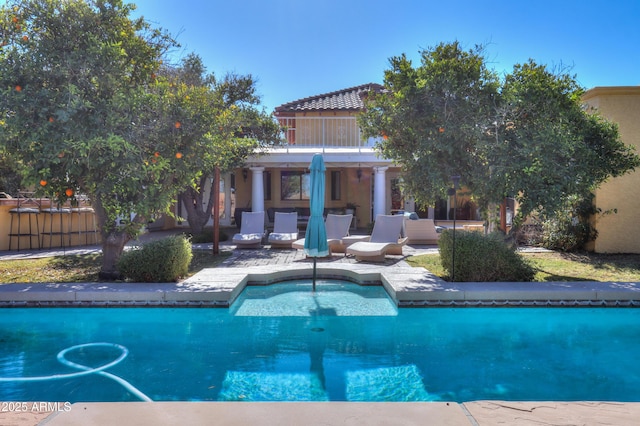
[300, 48]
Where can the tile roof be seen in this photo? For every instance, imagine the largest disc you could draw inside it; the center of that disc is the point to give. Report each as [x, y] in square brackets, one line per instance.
[342, 100]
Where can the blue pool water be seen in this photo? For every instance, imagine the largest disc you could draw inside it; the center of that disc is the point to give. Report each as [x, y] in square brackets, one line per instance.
[276, 344]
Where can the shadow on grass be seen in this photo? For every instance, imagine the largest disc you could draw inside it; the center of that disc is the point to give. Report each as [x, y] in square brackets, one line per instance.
[550, 277]
[86, 267]
[83, 267]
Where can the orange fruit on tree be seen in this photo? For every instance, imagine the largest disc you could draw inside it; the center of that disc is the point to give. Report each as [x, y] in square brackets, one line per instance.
[25, 38]
[51, 120]
[441, 129]
[156, 154]
[18, 88]
[69, 192]
[178, 125]
[178, 155]
[43, 182]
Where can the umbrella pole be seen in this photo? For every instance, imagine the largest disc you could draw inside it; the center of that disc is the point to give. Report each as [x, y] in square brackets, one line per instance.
[314, 274]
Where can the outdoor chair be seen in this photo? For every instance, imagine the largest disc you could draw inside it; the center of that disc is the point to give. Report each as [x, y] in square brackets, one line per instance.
[252, 230]
[337, 226]
[421, 231]
[285, 230]
[386, 238]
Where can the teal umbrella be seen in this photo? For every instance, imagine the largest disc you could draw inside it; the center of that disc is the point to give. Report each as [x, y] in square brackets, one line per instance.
[315, 238]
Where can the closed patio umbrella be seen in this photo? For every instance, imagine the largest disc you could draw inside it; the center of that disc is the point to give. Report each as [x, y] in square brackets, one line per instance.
[315, 239]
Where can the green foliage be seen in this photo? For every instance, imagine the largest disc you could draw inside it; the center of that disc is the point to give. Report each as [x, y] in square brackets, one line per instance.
[526, 136]
[164, 260]
[569, 229]
[220, 127]
[87, 104]
[480, 258]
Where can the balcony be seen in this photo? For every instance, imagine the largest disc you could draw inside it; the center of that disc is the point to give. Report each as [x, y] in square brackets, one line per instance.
[323, 134]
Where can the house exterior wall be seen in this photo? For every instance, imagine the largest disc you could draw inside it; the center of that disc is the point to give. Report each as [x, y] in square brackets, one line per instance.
[352, 190]
[619, 232]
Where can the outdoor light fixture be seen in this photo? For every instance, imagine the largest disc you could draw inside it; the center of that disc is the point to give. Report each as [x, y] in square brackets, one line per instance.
[453, 191]
[245, 174]
[359, 174]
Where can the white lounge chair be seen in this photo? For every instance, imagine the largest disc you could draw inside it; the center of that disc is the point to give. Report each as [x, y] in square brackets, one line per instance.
[252, 230]
[285, 229]
[337, 226]
[386, 238]
[421, 231]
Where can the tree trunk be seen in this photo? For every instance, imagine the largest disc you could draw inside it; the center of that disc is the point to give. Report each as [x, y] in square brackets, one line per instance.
[113, 243]
[112, 247]
[198, 214]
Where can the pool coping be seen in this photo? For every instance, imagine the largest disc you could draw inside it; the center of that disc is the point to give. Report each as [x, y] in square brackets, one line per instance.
[407, 286]
[478, 413]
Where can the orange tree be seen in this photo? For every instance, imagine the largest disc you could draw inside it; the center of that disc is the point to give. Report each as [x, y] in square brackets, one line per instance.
[84, 112]
[526, 136]
[222, 126]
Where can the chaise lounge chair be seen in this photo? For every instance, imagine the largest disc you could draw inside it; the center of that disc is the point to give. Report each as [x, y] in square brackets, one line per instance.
[421, 231]
[385, 239]
[285, 230]
[337, 226]
[252, 230]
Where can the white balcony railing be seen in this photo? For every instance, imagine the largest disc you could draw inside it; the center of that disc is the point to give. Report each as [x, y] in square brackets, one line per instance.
[326, 133]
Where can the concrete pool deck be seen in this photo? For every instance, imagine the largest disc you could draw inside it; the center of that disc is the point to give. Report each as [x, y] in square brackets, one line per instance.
[408, 286]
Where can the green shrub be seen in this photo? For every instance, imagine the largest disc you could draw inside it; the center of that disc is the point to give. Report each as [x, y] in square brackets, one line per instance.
[163, 260]
[481, 258]
[569, 229]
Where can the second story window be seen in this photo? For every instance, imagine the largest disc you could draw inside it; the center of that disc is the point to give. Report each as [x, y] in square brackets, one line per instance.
[295, 185]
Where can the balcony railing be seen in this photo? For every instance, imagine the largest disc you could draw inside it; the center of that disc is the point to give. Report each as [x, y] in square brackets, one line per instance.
[326, 133]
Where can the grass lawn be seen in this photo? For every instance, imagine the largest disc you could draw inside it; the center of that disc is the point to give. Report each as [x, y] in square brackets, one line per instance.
[549, 266]
[556, 266]
[80, 268]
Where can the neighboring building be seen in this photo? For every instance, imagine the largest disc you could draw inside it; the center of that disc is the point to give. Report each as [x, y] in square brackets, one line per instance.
[619, 232]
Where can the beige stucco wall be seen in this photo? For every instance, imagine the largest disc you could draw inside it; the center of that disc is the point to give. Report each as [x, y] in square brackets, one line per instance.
[620, 232]
[352, 190]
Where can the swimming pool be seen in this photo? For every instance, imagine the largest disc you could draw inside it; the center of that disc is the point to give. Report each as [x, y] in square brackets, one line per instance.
[335, 345]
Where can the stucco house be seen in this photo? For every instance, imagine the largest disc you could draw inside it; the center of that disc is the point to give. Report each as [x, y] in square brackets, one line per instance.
[356, 175]
[619, 232]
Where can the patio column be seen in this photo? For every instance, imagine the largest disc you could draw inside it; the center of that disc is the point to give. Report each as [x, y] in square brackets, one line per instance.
[379, 191]
[257, 189]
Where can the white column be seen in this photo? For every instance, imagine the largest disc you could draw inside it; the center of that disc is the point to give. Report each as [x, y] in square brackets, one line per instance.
[257, 189]
[379, 191]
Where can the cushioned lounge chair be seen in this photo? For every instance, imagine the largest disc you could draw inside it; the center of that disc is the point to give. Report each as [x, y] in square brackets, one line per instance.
[252, 230]
[285, 230]
[337, 226]
[421, 231]
[386, 238]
